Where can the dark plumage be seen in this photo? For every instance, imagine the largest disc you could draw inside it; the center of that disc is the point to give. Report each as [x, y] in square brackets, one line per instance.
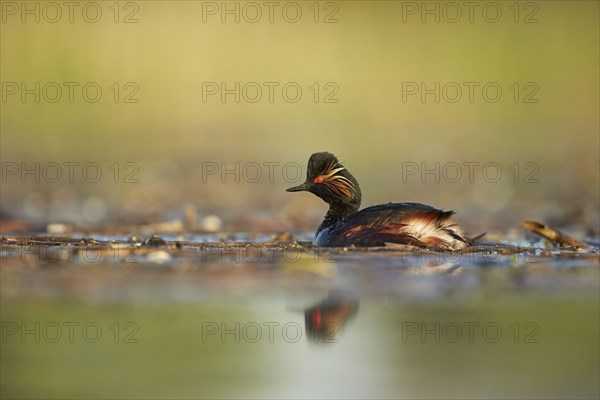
[412, 224]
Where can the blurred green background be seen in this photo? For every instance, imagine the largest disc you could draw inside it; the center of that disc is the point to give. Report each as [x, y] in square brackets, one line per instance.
[372, 49]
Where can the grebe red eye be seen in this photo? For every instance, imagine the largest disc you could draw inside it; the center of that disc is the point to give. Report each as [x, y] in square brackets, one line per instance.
[318, 179]
[316, 318]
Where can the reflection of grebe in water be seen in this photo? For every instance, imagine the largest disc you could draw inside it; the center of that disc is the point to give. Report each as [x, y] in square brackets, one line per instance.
[325, 319]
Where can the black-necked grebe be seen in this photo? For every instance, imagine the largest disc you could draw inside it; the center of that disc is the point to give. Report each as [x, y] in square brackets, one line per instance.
[412, 224]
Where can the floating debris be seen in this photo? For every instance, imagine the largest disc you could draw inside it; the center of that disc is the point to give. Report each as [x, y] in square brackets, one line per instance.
[88, 242]
[283, 236]
[155, 241]
[554, 235]
[158, 257]
[58, 229]
[211, 223]
[190, 216]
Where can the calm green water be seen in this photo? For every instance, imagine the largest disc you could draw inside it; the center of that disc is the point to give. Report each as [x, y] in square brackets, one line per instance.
[226, 330]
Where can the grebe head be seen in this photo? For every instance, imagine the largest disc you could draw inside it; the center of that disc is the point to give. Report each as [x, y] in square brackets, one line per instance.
[331, 181]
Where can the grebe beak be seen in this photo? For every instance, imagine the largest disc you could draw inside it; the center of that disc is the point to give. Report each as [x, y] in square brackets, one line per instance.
[299, 188]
